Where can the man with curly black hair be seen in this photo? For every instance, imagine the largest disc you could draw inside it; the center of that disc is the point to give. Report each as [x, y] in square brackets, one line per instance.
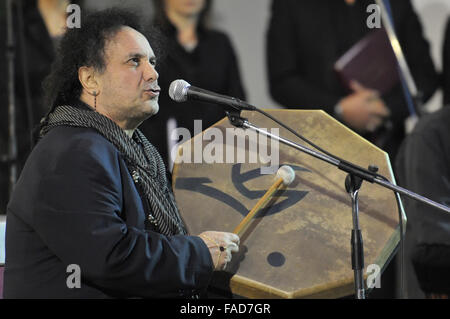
[93, 214]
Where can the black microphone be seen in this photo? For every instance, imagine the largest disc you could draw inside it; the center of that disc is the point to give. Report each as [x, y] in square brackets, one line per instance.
[181, 91]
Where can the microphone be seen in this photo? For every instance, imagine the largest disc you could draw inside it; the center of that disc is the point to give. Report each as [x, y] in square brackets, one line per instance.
[181, 91]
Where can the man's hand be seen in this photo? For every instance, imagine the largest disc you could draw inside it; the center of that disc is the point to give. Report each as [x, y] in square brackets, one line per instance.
[363, 110]
[221, 245]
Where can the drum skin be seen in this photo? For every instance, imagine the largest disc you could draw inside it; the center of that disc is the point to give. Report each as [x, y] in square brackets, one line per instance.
[298, 246]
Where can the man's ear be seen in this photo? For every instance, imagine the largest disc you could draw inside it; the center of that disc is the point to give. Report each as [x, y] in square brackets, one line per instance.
[88, 79]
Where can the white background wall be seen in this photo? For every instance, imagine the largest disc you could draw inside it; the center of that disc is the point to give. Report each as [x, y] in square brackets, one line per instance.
[246, 23]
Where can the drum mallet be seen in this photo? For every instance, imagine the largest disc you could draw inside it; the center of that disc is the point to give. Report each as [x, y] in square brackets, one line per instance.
[285, 176]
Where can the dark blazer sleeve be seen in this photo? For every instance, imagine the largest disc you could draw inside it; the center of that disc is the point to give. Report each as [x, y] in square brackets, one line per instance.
[286, 83]
[79, 217]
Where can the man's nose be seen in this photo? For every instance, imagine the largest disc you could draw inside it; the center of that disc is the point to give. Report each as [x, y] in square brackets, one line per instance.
[150, 73]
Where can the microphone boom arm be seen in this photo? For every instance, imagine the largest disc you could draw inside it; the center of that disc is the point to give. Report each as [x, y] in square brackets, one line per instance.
[353, 181]
[342, 165]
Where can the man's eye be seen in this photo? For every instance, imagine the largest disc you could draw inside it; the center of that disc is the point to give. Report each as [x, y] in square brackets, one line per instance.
[135, 61]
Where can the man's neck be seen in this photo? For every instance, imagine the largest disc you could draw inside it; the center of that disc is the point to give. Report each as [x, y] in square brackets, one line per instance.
[129, 133]
[86, 100]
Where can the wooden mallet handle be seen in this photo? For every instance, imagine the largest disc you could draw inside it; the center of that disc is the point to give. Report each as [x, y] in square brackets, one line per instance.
[286, 176]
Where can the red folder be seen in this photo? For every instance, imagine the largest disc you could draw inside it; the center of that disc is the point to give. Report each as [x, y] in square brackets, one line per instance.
[371, 62]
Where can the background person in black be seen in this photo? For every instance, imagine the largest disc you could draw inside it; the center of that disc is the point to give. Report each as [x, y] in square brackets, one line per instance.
[44, 23]
[423, 166]
[197, 54]
[304, 40]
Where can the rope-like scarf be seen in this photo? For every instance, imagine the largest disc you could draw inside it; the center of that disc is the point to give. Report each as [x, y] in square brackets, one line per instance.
[142, 159]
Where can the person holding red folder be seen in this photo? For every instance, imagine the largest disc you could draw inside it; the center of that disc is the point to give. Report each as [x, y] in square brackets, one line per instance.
[305, 39]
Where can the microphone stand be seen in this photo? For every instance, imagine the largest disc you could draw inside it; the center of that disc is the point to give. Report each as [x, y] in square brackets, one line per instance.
[356, 175]
[11, 155]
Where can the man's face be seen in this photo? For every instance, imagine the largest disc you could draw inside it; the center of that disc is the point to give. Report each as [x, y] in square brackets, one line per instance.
[129, 85]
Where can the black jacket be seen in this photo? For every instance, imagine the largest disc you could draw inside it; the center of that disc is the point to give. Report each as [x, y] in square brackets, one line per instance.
[76, 203]
[305, 39]
[423, 166]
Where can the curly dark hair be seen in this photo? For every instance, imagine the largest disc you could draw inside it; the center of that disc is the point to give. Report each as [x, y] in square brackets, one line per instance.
[84, 46]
